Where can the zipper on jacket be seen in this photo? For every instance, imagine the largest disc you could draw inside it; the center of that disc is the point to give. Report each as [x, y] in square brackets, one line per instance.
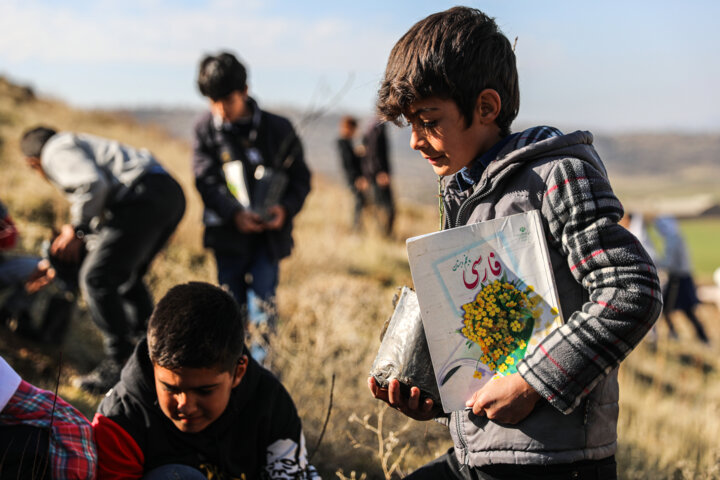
[458, 426]
[478, 195]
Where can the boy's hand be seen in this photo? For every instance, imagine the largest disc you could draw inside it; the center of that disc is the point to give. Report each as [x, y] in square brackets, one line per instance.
[361, 183]
[248, 222]
[504, 399]
[412, 407]
[382, 179]
[277, 217]
[67, 246]
[40, 278]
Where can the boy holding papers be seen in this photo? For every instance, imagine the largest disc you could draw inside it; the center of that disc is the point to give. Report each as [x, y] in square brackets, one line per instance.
[452, 78]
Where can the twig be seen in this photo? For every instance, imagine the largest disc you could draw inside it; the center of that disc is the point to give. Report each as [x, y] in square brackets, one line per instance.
[52, 415]
[327, 419]
[311, 114]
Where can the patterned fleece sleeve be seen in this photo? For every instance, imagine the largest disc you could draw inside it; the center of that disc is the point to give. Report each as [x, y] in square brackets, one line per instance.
[611, 265]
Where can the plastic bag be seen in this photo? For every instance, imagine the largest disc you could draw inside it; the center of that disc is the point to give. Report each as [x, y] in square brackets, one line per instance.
[404, 353]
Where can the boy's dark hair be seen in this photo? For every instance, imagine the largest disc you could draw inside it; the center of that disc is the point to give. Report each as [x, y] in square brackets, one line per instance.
[33, 140]
[348, 121]
[455, 55]
[220, 75]
[196, 325]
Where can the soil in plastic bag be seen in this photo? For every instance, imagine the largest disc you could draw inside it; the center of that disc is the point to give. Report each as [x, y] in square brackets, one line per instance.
[404, 352]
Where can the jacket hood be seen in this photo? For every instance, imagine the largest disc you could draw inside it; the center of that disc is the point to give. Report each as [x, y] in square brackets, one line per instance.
[528, 146]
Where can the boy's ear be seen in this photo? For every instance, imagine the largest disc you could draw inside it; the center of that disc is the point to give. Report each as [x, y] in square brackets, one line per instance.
[240, 370]
[487, 106]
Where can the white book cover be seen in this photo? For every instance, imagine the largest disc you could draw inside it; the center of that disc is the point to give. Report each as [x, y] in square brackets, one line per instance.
[235, 179]
[487, 297]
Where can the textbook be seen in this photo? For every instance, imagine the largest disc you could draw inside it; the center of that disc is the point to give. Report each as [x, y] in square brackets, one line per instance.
[487, 297]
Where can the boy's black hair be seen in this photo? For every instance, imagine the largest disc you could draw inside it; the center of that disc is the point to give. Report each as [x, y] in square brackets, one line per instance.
[455, 55]
[196, 325]
[349, 121]
[220, 75]
[34, 139]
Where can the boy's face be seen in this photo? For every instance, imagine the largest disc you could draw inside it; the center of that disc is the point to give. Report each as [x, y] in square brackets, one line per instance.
[347, 130]
[230, 108]
[440, 135]
[193, 398]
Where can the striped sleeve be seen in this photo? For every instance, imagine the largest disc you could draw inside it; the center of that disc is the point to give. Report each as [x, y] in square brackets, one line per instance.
[72, 447]
[611, 265]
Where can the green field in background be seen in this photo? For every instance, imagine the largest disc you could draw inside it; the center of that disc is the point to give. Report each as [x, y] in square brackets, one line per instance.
[703, 241]
[702, 236]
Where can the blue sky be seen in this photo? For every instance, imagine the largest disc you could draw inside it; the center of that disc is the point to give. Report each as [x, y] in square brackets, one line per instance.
[611, 65]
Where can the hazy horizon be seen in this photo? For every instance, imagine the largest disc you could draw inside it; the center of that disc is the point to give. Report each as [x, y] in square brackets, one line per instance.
[611, 66]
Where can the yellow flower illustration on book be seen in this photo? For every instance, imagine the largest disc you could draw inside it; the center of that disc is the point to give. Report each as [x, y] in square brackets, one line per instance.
[501, 320]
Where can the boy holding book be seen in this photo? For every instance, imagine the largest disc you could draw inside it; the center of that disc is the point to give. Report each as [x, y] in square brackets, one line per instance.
[191, 403]
[453, 78]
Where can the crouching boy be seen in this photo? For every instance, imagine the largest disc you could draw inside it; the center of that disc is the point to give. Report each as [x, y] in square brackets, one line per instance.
[453, 78]
[192, 404]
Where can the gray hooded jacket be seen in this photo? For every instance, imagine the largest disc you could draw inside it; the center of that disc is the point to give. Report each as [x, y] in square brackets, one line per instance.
[608, 288]
[93, 172]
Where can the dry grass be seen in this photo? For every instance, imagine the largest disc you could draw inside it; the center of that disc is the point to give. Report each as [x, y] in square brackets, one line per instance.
[335, 294]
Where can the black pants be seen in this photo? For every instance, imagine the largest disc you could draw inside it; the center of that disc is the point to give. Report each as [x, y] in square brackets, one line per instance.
[680, 294]
[111, 276]
[448, 468]
[24, 452]
[384, 200]
[360, 202]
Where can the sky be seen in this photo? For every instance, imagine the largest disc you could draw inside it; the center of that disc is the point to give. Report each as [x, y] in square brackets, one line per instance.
[612, 65]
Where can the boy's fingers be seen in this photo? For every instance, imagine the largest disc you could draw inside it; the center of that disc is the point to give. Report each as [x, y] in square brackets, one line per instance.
[477, 404]
[376, 391]
[414, 401]
[394, 394]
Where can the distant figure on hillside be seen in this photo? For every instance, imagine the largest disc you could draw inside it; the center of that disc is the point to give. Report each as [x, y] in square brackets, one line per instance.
[41, 435]
[123, 208]
[251, 174]
[679, 291]
[376, 167]
[637, 223]
[352, 167]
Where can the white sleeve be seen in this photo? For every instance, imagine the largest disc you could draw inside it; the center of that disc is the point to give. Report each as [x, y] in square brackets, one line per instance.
[286, 460]
[9, 383]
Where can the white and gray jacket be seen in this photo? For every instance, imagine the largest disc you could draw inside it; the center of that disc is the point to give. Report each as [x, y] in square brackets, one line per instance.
[93, 172]
[609, 294]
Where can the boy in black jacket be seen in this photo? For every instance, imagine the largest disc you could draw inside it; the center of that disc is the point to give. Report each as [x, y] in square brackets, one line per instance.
[192, 403]
[236, 146]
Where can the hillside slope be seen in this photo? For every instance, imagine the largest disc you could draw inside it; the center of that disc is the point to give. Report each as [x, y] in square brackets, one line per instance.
[334, 296]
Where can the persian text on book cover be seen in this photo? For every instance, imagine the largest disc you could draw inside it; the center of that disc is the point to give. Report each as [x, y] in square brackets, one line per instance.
[487, 297]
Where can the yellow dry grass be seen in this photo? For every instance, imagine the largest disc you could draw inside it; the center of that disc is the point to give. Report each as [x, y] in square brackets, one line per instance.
[334, 296]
